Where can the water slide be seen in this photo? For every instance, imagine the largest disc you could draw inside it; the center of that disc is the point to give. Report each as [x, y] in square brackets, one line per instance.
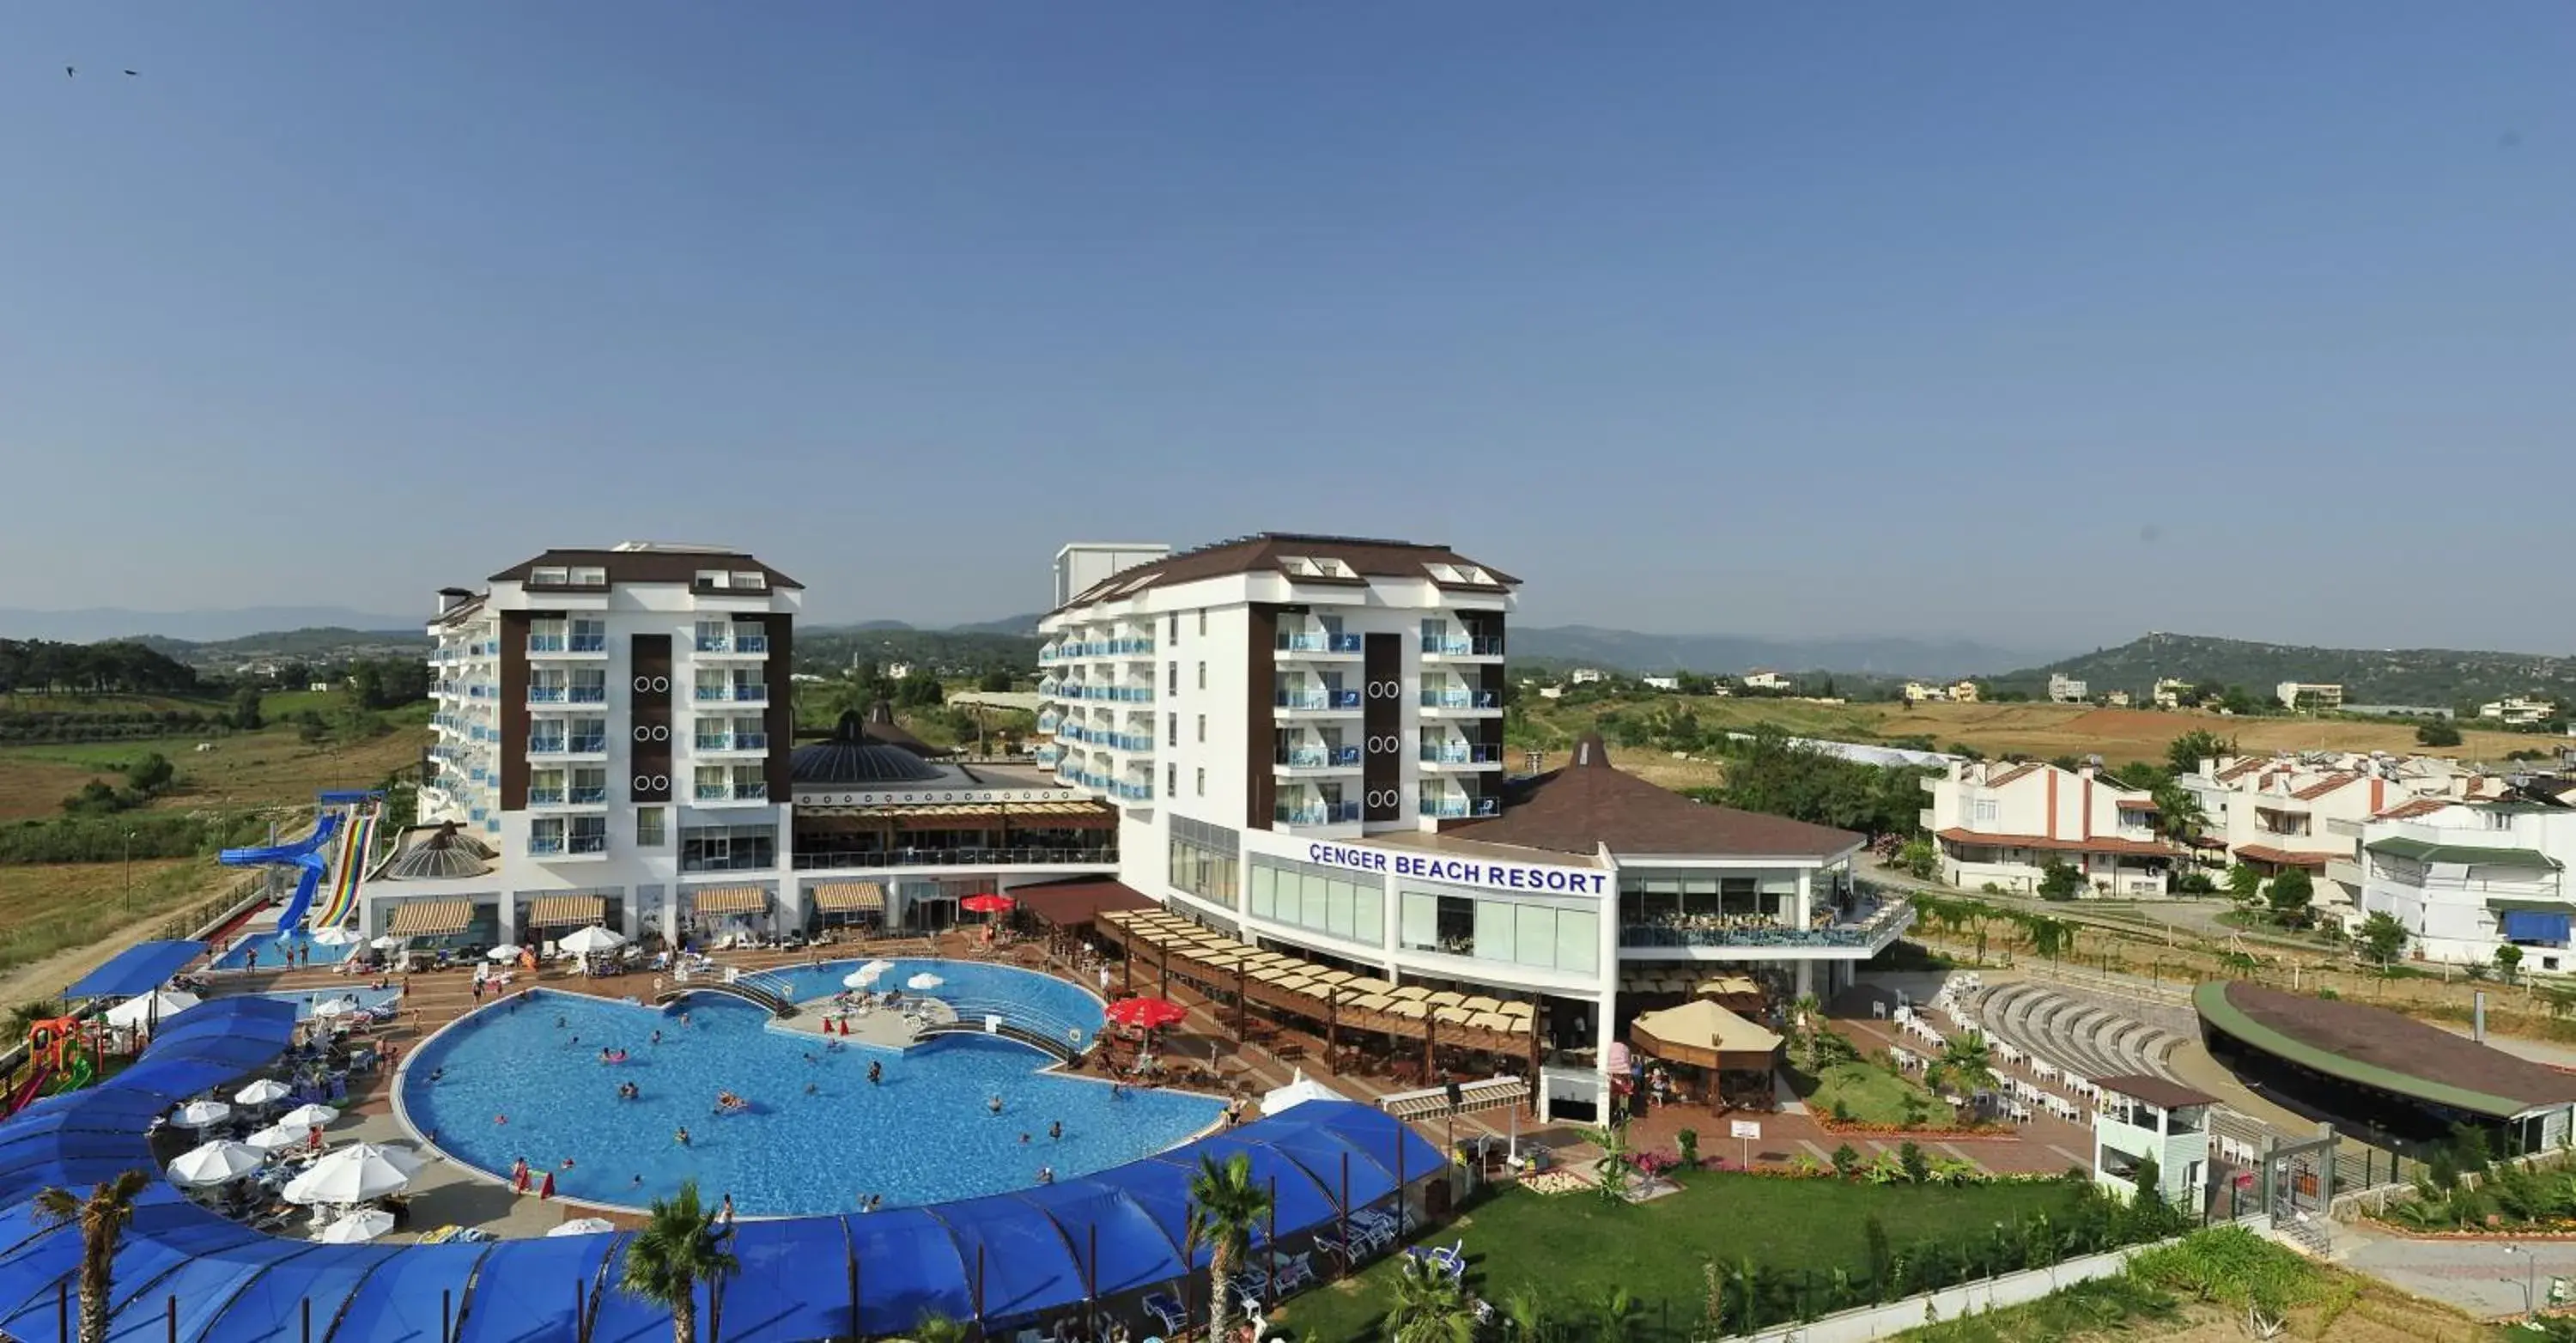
[306, 853]
[356, 838]
[33, 1087]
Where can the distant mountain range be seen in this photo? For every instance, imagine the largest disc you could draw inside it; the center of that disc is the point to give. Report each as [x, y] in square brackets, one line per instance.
[89, 625]
[1727, 654]
[2438, 677]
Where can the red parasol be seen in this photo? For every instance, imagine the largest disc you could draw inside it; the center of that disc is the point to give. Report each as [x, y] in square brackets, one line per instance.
[1146, 1013]
[988, 903]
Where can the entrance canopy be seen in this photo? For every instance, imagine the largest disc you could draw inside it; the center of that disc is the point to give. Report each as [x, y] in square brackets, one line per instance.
[1702, 1034]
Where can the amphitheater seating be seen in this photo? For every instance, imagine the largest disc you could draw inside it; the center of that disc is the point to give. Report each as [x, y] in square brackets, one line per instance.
[2081, 1036]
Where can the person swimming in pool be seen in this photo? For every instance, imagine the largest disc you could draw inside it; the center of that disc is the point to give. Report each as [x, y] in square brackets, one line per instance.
[681, 1137]
[993, 1104]
[1056, 1130]
[876, 1072]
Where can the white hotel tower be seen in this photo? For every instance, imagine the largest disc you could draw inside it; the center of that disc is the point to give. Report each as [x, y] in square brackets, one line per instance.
[1303, 738]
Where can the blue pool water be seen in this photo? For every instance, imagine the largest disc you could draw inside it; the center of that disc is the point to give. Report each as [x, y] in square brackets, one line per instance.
[271, 949]
[1063, 1010]
[304, 1002]
[923, 1136]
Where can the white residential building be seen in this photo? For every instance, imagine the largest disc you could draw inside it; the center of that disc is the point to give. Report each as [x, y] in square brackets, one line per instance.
[2516, 711]
[2141, 1118]
[2001, 823]
[1964, 692]
[1085, 565]
[2064, 689]
[1302, 737]
[2307, 810]
[2467, 878]
[1918, 693]
[1585, 676]
[2169, 692]
[1766, 680]
[1661, 682]
[2314, 695]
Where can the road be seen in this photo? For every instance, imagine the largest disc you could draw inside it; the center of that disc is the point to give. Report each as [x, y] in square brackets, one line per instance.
[2199, 916]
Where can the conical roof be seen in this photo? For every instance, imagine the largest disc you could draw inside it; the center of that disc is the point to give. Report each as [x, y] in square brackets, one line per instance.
[853, 755]
[445, 852]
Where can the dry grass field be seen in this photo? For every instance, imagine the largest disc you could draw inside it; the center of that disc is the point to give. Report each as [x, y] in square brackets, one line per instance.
[46, 908]
[248, 769]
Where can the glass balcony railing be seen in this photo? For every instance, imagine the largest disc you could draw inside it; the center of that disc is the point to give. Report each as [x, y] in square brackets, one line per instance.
[587, 643]
[1300, 643]
[591, 795]
[1316, 699]
[1462, 646]
[589, 844]
[546, 694]
[714, 792]
[1461, 699]
[1344, 643]
[587, 746]
[544, 845]
[1319, 757]
[750, 692]
[545, 643]
[712, 744]
[587, 694]
[545, 797]
[970, 857]
[1318, 813]
[1096, 648]
[751, 643]
[751, 792]
[1461, 753]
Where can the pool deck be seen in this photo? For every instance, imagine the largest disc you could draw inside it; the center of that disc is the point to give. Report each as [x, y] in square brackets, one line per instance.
[446, 1192]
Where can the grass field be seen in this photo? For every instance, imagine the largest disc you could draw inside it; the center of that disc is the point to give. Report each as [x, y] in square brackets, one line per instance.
[1572, 1246]
[270, 767]
[2038, 730]
[47, 908]
[1873, 1095]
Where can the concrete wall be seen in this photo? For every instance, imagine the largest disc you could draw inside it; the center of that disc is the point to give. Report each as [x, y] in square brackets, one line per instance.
[2012, 1289]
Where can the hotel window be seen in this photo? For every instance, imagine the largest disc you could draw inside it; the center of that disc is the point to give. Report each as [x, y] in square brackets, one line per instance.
[1202, 676]
[724, 848]
[1174, 632]
[589, 786]
[649, 828]
[1172, 682]
[715, 783]
[1171, 779]
[1325, 899]
[589, 834]
[1202, 622]
[546, 836]
[589, 737]
[1202, 781]
[1202, 729]
[1540, 937]
[1206, 860]
[1171, 729]
[1986, 809]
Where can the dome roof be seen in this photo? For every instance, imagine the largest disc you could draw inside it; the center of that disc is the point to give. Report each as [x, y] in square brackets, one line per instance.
[445, 853]
[850, 756]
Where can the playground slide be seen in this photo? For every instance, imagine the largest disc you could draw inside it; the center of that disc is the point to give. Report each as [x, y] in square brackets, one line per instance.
[305, 853]
[76, 1075]
[354, 847]
[31, 1089]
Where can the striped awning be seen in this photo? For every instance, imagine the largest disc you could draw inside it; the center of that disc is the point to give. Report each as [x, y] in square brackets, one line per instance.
[729, 900]
[431, 918]
[554, 911]
[1487, 1094]
[849, 897]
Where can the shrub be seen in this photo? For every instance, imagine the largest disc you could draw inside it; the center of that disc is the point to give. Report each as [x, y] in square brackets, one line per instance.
[1689, 1140]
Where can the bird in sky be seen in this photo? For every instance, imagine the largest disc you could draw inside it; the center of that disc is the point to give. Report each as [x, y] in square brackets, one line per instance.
[68, 72]
[134, 72]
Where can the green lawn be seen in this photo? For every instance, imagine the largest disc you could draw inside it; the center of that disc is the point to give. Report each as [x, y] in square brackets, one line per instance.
[1875, 1095]
[1571, 1246]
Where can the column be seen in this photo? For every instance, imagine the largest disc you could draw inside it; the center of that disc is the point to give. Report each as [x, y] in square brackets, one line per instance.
[1806, 895]
[509, 916]
[671, 915]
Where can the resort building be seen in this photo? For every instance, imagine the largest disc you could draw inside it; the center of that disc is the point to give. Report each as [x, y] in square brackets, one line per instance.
[2064, 689]
[2142, 1117]
[2467, 878]
[1766, 680]
[2308, 810]
[615, 743]
[2002, 823]
[2168, 692]
[1963, 692]
[2310, 695]
[2517, 711]
[1303, 738]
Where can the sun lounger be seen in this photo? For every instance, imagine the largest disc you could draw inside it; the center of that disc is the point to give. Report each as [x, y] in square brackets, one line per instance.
[1171, 1314]
[1292, 1273]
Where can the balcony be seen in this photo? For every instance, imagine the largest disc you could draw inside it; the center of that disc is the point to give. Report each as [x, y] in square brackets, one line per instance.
[545, 797]
[1317, 757]
[1462, 701]
[722, 743]
[567, 645]
[1460, 808]
[1316, 701]
[545, 643]
[1462, 755]
[590, 745]
[591, 796]
[548, 694]
[756, 790]
[1461, 646]
[739, 646]
[743, 692]
[1097, 649]
[586, 643]
[1112, 694]
[1867, 927]
[879, 858]
[586, 694]
[1318, 813]
[1314, 645]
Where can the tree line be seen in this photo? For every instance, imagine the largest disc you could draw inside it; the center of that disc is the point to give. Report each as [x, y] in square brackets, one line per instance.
[44, 667]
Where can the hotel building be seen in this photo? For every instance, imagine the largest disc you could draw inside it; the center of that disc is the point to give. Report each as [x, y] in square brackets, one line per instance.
[1302, 736]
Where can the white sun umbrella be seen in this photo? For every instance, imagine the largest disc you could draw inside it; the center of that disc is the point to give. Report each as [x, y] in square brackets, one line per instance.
[353, 1174]
[357, 1228]
[590, 939]
[277, 1138]
[388, 942]
[160, 1004]
[876, 967]
[507, 951]
[334, 936]
[334, 1007]
[1299, 1090]
[308, 1116]
[215, 1163]
[265, 1091]
[584, 1226]
[202, 1114]
[924, 981]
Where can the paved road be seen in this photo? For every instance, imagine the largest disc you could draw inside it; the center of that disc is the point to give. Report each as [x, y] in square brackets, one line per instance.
[2198, 916]
[2485, 1278]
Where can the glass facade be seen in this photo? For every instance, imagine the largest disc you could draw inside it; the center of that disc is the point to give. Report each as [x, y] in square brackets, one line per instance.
[1327, 900]
[1510, 932]
[1207, 861]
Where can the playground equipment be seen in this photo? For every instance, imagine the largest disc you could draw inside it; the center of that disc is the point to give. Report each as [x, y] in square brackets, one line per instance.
[56, 1063]
[351, 818]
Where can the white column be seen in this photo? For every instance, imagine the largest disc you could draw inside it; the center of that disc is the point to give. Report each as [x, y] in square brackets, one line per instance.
[1806, 895]
[510, 916]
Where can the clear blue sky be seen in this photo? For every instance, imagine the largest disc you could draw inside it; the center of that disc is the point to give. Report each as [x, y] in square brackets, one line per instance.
[2040, 323]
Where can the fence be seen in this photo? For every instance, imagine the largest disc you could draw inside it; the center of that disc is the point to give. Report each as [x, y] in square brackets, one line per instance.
[2010, 1289]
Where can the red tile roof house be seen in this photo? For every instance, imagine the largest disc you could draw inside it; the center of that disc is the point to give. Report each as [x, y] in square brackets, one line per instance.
[2000, 824]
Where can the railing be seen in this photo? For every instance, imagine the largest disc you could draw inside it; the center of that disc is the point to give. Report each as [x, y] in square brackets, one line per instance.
[1461, 753]
[1345, 643]
[1319, 757]
[1113, 693]
[546, 694]
[589, 843]
[1098, 648]
[545, 643]
[1453, 646]
[588, 643]
[541, 846]
[588, 796]
[1887, 918]
[587, 746]
[961, 857]
[714, 792]
[751, 792]
[751, 643]
[545, 797]
[1132, 792]
[1316, 699]
[1319, 643]
[588, 694]
[1336, 813]
[1459, 808]
[1460, 699]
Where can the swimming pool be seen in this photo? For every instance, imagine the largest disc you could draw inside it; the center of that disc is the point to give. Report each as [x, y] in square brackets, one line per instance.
[305, 1002]
[1051, 1006]
[924, 1135]
[270, 948]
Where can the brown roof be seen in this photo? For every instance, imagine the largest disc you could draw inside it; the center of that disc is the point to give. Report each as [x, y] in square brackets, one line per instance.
[1999, 780]
[2240, 769]
[2381, 1048]
[2265, 853]
[2422, 806]
[2067, 844]
[1075, 901]
[1588, 804]
[2137, 804]
[2326, 785]
[646, 566]
[2155, 1091]
[1266, 552]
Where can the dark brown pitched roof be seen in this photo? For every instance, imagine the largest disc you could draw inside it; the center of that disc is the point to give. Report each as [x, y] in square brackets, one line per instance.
[1266, 552]
[646, 566]
[1589, 804]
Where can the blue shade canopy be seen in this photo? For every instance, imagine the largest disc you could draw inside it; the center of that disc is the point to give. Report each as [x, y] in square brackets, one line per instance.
[138, 969]
[1009, 1258]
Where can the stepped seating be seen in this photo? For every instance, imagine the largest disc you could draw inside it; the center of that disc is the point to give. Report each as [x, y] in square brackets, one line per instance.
[2087, 1038]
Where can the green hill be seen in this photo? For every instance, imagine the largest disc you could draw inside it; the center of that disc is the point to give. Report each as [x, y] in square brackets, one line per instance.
[2432, 676]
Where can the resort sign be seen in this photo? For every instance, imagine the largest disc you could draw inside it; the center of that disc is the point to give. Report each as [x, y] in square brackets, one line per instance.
[1461, 871]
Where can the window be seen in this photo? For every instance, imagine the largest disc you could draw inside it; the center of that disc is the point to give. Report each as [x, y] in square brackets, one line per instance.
[546, 836]
[1202, 676]
[1202, 622]
[1171, 779]
[1202, 781]
[1541, 937]
[591, 576]
[589, 834]
[1202, 729]
[715, 783]
[1172, 634]
[1325, 899]
[1986, 809]
[1172, 682]
[723, 848]
[549, 578]
[649, 831]
[1171, 729]
[751, 579]
[1206, 860]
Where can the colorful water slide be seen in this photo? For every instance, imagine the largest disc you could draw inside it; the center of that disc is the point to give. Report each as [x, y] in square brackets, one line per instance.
[306, 853]
[356, 837]
[33, 1087]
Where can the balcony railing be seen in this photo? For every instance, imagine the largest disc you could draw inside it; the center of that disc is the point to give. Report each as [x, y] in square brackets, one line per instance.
[1319, 757]
[954, 857]
[587, 643]
[1864, 928]
[714, 792]
[757, 791]
[545, 797]
[587, 746]
[547, 694]
[590, 796]
[1461, 753]
[751, 643]
[1461, 699]
[587, 694]
[545, 643]
[1120, 694]
[1459, 808]
[1097, 648]
[748, 692]
[1455, 646]
[1316, 699]
[589, 844]
[1336, 813]
[543, 845]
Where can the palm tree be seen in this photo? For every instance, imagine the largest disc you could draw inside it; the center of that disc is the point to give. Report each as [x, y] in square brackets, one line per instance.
[1430, 1306]
[1614, 1315]
[103, 1217]
[934, 1327]
[1531, 1317]
[1806, 1017]
[679, 1247]
[2178, 811]
[1963, 1064]
[1225, 1205]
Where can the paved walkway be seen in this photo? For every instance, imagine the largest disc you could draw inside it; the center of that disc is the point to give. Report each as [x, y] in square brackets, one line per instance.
[2485, 1278]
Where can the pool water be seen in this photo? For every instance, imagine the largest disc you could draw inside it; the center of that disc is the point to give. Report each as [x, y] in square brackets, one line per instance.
[305, 1002]
[1058, 1009]
[925, 1135]
[271, 947]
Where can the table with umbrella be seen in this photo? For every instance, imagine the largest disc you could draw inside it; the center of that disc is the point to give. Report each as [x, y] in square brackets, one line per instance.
[150, 1010]
[214, 1163]
[202, 1114]
[923, 982]
[356, 1227]
[354, 1174]
[1147, 1015]
[265, 1091]
[584, 1226]
[277, 1138]
[335, 936]
[592, 944]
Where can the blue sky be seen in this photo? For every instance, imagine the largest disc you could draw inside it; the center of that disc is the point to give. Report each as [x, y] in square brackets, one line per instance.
[2042, 324]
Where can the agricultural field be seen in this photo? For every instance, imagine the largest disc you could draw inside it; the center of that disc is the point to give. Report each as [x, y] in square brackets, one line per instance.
[49, 908]
[273, 766]
[2038, 730]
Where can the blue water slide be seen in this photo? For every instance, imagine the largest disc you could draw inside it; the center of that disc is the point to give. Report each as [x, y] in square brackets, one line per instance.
[310, 853]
